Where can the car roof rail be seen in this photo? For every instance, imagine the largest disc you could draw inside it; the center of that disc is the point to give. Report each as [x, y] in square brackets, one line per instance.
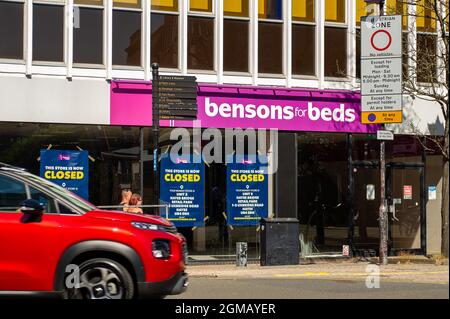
[8, 166]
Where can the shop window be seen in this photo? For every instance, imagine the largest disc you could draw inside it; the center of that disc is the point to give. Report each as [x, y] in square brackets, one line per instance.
[303, 38]
[270, 42]
[335, 52]
[322, 190]
[88, 36]
[235, 45]
[12, 192]
[48, 32]
[303, 49]
[270, 9]
[236, 36]
[426, 58]
[303, 10]
[200, 5]
[200, 43]
[335, 11]
[270, 37]
[126, 38]
[165, 40]
[236, 8]
[11, 30]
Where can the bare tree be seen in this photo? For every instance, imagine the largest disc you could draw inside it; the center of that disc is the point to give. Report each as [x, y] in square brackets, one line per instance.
[426, 77]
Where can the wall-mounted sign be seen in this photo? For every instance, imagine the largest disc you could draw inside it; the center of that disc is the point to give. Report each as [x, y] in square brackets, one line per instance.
[381, 69]
[432, 193]
[407, 191]
[221, 106]
[370, 192]
[182, 186]
[247, 190]
[69, 169]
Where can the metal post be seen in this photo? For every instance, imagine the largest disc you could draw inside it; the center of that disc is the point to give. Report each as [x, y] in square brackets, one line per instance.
[384, 227]
[383, 219]
[155, 130]
[141, 161]
[350, 192]
[376, 7]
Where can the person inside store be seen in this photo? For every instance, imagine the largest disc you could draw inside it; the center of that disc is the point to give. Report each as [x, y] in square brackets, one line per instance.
[126, 196]
[135, 204]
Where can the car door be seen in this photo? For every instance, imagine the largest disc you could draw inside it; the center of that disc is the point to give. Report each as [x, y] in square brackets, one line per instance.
[28, 249]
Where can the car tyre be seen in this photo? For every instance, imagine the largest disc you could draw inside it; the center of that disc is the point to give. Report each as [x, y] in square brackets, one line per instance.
[101, 278]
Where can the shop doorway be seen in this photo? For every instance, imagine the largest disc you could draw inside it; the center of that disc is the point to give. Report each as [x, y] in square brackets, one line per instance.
[406, 200]
[406, 208]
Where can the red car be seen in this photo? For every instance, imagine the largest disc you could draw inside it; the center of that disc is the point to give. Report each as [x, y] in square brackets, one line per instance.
[55, 243]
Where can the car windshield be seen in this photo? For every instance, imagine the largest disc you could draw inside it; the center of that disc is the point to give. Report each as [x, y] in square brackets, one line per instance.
[66, 195]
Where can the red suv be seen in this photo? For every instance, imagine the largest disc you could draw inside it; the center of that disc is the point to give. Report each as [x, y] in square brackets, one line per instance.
[54, 243]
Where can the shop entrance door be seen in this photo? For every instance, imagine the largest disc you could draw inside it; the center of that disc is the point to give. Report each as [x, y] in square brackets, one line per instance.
[406, 206]
[366, 203]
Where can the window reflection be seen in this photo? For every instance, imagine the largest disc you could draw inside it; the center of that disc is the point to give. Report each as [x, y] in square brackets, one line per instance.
[48, 33]
[11, 30]
[126, 38]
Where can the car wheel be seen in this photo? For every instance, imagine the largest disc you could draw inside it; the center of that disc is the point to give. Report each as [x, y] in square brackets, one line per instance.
[102, 278]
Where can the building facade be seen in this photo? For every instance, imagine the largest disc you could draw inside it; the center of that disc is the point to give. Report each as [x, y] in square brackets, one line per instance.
[76, 74]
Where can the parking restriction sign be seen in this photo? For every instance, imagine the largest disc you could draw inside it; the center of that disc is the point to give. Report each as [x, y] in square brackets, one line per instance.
[381, 69]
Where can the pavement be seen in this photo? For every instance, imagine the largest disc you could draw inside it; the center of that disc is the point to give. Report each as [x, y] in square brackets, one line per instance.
[348, 270]
[322, 280]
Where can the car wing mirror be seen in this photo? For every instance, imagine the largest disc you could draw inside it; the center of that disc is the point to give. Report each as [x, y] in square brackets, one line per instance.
[31, 207]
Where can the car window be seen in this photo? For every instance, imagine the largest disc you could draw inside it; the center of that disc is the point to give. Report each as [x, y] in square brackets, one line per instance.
[12, 192]
[45, 200]
[71, 198]
[63, 209]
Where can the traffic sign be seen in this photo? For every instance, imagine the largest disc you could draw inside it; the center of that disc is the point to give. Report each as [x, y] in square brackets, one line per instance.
[383, 135]
[381, 69]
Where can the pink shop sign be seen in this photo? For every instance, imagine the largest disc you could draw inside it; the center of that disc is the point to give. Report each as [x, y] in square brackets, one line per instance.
[319, 111]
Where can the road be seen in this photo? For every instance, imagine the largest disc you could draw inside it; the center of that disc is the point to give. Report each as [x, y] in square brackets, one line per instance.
[300, 288]
[318, 280]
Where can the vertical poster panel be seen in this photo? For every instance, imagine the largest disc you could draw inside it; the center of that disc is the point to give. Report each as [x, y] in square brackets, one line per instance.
[247, 190]
[69, 169]
[182, 187]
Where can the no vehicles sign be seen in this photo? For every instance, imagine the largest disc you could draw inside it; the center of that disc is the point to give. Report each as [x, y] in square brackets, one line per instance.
[381, 69]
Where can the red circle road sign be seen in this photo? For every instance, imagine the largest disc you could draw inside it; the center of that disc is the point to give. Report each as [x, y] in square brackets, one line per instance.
[372, 40]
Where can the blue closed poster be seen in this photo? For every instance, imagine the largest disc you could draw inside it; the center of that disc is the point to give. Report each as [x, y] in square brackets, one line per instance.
[69, 169]
[247, 191]
[182, 186]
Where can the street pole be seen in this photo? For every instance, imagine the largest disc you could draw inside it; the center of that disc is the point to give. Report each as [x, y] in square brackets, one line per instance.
[155, 129]
[383, 203]
[373, 8]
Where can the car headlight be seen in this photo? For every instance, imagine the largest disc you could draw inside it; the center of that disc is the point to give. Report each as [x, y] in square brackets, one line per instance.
[150, 226]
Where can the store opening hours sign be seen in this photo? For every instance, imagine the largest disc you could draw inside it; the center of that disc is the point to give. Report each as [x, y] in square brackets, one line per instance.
[381, 69]
[182, 187]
